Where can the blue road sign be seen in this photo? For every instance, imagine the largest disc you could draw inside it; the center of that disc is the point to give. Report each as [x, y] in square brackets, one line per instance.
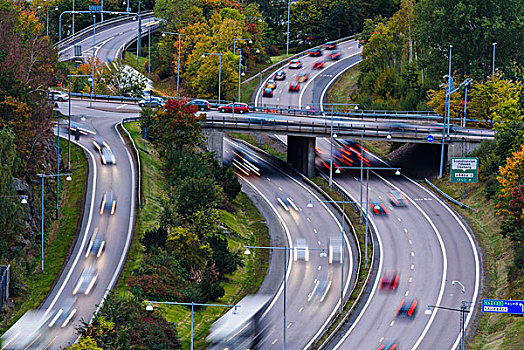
[503, 306]
[430, 138]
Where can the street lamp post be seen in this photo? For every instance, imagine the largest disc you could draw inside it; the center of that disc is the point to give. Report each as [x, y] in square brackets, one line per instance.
[93, 63]
[287, 42]
[285, 249]
[149, 53]
[149, 307]
[397, 172]
[178, 61]
[446, 115]
[239, 62]
[219, 70]
[69, 119]
[493, 65]
[43, 176]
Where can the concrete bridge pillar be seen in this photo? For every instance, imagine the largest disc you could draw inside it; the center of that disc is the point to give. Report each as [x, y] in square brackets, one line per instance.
[301, 154]
[461, 148]
[215, 143]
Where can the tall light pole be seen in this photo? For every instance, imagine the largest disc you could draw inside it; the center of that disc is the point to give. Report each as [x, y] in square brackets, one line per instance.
[493, 65]
[285, 249]
[178, 62]
[149, 307]
[239, 62]
[149, 53]
[448, 88]
[93, 65]
[43, 176]
[462, 312]
[73, 19]
[287, 43]
[368, 168]
[219, 70]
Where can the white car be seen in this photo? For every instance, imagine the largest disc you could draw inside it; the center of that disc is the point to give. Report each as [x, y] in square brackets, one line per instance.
[86, 281]
[55, 95]
[301, 250]
[106, 154]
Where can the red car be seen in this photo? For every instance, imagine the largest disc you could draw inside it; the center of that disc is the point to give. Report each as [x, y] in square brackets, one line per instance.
[407, 308]
[318, 64]
[315, 52]
[378, 208]
[330, 45]
[334, 55]
[389, 281]
[388, 347]
[239, 108]
[294, 86]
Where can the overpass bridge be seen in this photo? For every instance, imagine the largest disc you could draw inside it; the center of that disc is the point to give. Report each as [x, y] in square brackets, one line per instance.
[303, 131]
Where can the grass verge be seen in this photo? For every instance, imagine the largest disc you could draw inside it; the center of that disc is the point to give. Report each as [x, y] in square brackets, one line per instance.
[60, 235]
[494, 331]
[246, 225]
[130, 60]
[346, 84]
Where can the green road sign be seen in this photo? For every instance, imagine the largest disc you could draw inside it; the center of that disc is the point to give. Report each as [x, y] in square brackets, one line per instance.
[464, 169]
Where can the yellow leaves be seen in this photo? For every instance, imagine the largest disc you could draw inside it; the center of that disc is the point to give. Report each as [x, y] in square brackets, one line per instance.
[510, 176]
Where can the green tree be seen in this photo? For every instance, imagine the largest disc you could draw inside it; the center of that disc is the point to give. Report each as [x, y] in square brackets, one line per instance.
[187, 248]
[85, 343]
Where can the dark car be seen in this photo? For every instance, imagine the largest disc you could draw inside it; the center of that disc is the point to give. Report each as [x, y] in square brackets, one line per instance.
[295, 64]
[202, 105]
[239, 108]
[378, 208]
[318, 64]
[152, 102]
[280, 75]
[407, 308]
[315, 52]
[389, 281]
[397, 198]
[108, 203]
[271, 84]
[302, 77]
[268, 92]
[96, 244]
[334, 55]
[391, 346]
[294, 86]
[330, 45]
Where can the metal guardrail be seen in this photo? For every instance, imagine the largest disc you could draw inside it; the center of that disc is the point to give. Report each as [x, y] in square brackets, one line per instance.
[448, 196]
[67, 41]
[139, 168]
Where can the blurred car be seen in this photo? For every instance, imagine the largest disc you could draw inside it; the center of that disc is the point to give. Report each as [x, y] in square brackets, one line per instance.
[271, 84]
[330, 45]
[286, 202]
[295, 64]
[407, 308]
[202, 105]
[108, 203]
[335, 250]
[397, 198]
[294, 86]
[320, 289]
[96, 244]
[389, 281]
[318, 64]
[301, 250]
[65, 313]
[86, 281]
[152, 102]
[268, 92]
[280, 75]
[378, 208]
[27, 333]
[302, 77]
[390, 346]
[239, 108]
[315, 52]
[55, 95]
[106, 154]
[334, 55]
[244, 163]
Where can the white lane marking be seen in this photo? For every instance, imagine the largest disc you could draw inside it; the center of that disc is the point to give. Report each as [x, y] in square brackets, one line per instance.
[412, 253]
[308, 219]
[410, 242]
[274, 342]
[399, 219]
[121, 106]
[268, 179]
[412, 266]
[226, 151]
[278, 99]
[280, 188]
[380, 197]
[319, 268]
[410, 280]
[406, 230]
[381, 339]
[102, 44]
[407, 293]
[392, 323]
[280, 91]
[289, 325]
[315, 230]
[88, 226]
[300, 310]
[355, 178]
[318, 242]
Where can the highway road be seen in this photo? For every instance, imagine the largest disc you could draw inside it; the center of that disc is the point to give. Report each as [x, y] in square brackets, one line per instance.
[310, 303]
[109, 40]
[426, 243]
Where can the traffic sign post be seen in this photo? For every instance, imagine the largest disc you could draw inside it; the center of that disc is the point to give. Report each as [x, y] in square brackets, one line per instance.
[464, 170]
[503, 306]
[430, 138]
